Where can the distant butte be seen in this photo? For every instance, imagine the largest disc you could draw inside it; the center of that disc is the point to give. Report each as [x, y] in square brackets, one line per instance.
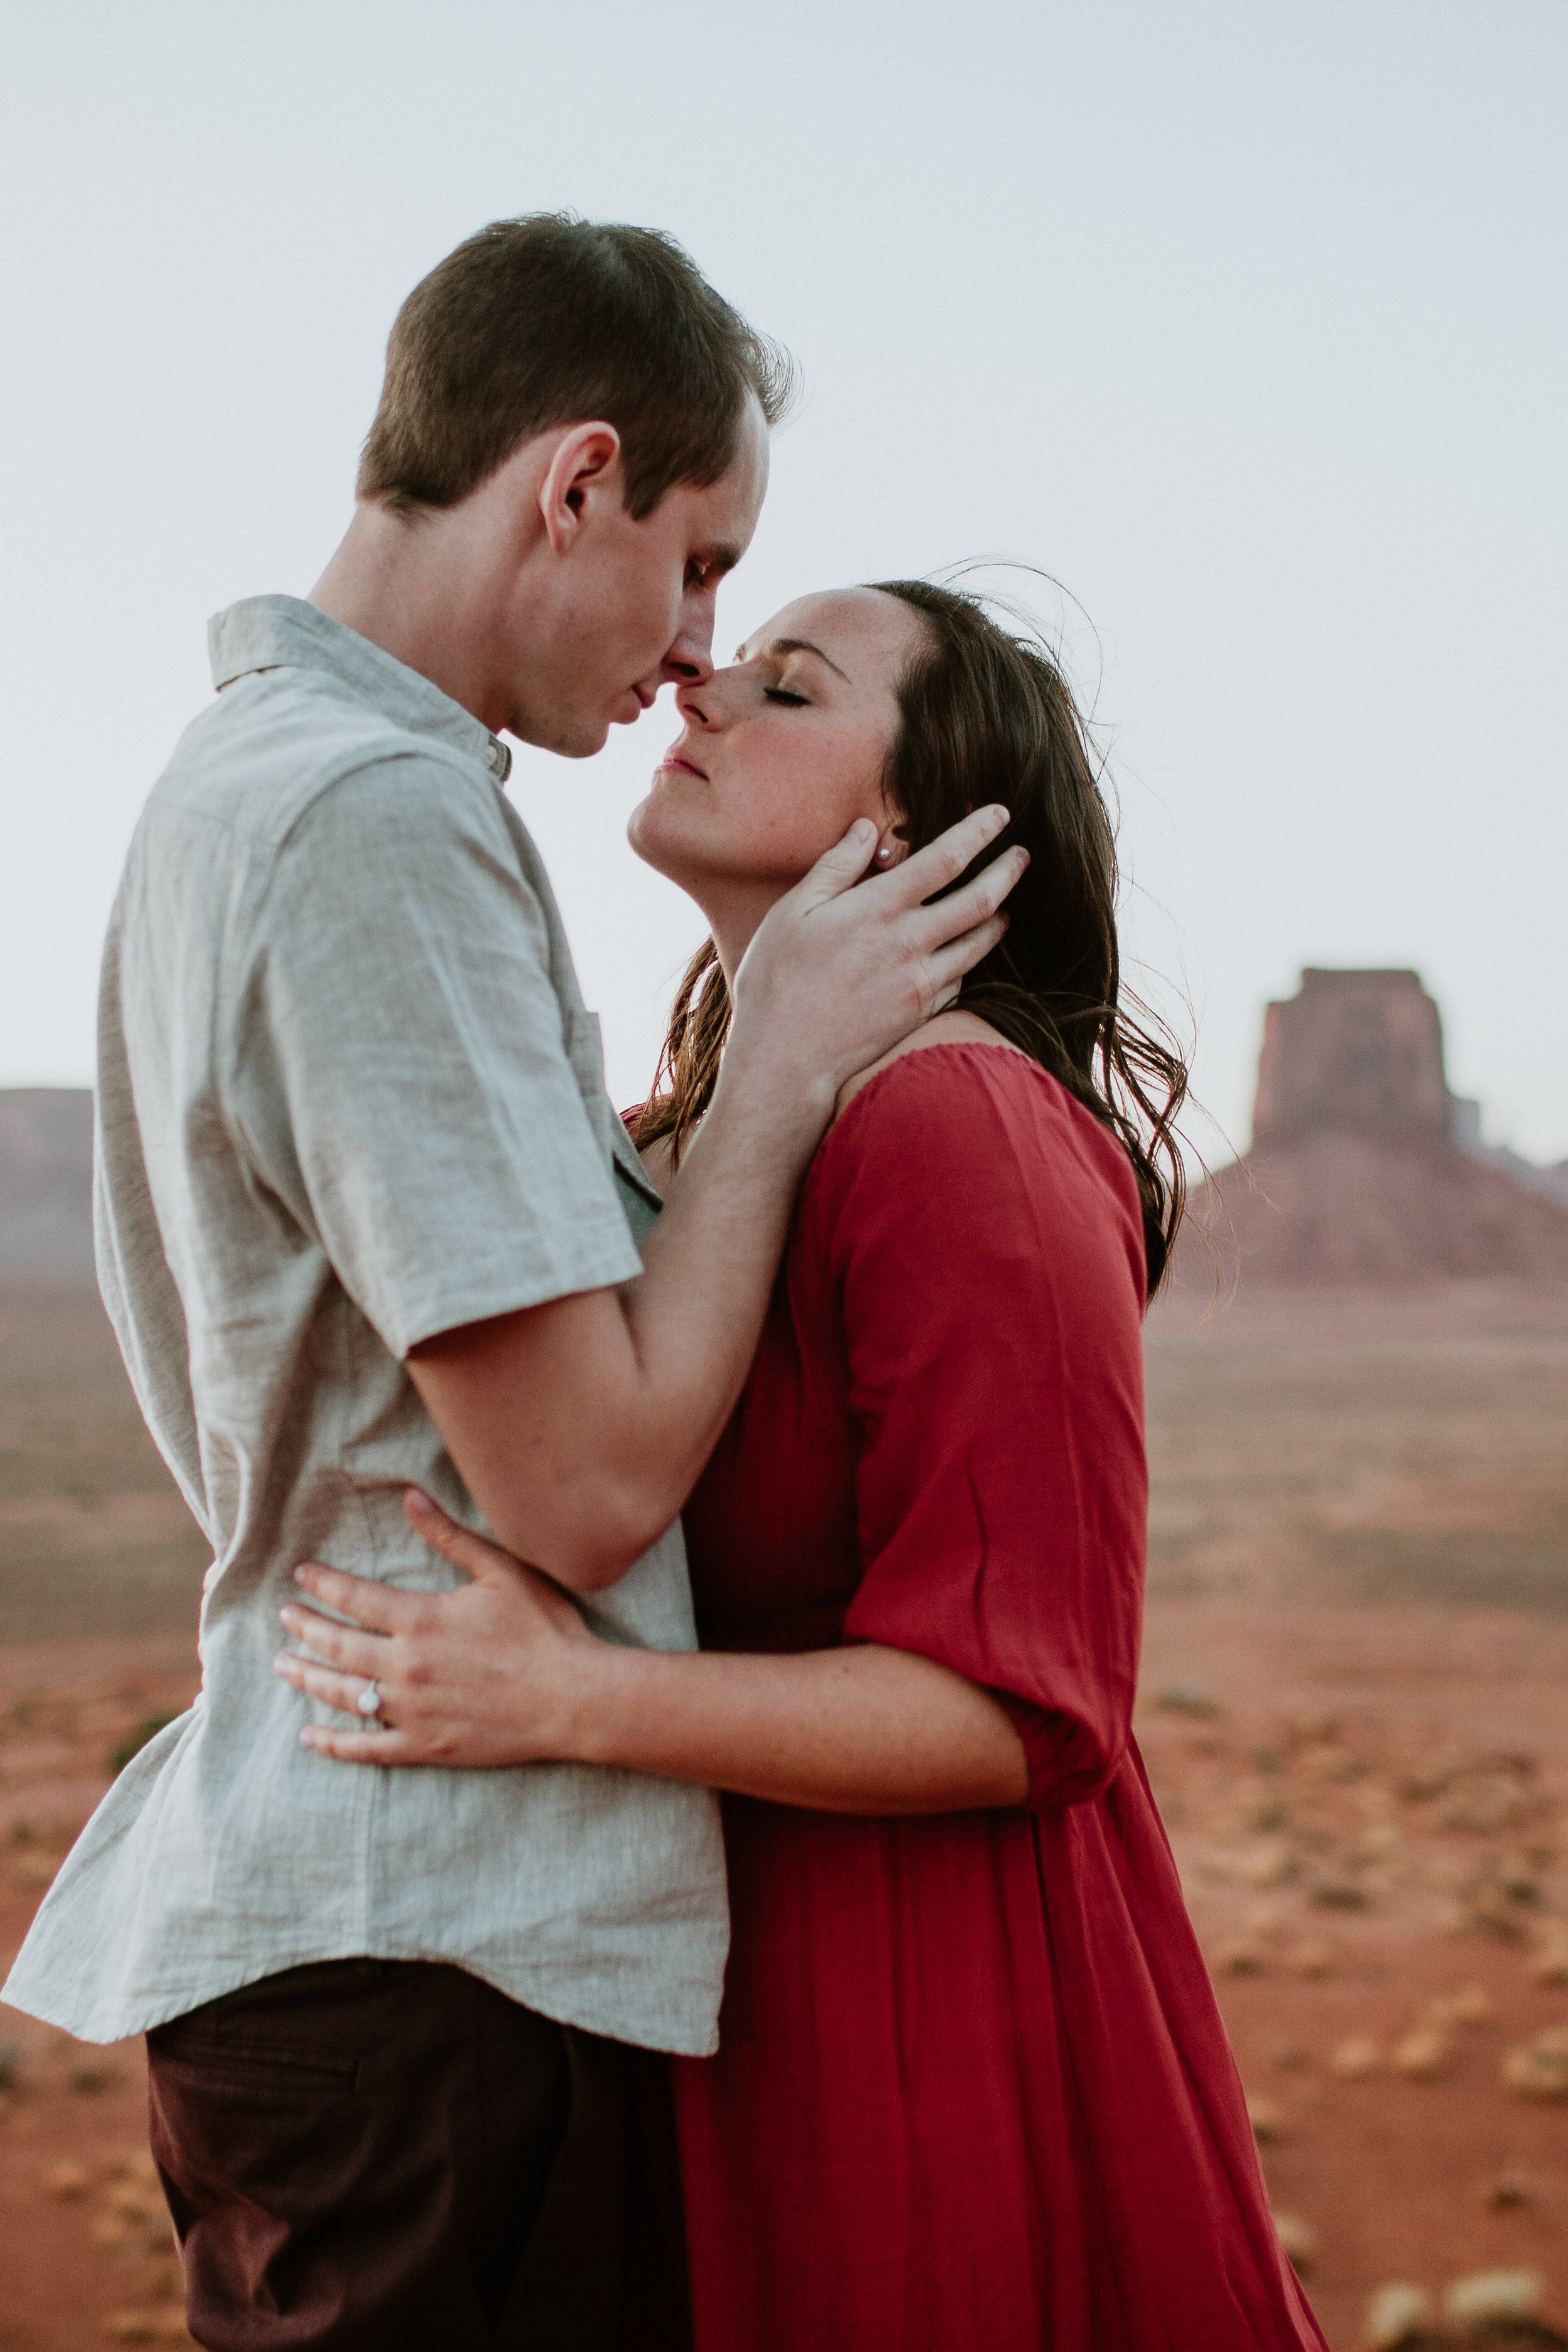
[1364, 1171]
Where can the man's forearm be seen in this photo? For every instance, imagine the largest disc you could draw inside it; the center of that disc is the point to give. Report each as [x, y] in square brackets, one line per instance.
[695, 1317]
[579, 1426]
[860, 1730]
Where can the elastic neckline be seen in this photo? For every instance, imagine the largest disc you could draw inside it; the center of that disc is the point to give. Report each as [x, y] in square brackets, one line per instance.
[921, 1053]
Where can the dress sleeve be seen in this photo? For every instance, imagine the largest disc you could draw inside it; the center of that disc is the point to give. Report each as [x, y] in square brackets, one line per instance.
[984, 1236]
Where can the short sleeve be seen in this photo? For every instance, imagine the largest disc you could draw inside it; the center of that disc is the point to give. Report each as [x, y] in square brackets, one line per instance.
[984, 1236]
[400, 1073]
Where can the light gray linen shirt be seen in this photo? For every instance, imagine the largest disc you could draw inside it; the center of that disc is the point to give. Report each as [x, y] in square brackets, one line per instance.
[349, 1097]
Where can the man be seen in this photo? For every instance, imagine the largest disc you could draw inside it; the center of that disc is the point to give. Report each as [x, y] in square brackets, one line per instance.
[366, 1219]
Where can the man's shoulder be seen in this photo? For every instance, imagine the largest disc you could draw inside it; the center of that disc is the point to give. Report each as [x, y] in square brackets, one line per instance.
[276, 746]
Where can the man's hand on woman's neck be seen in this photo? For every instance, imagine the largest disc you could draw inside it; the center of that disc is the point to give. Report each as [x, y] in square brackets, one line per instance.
[580, 1426]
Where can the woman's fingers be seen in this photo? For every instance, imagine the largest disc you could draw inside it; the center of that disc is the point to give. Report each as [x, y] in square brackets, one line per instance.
[365, 1655]
[326, 1683]
[361, 1598]
[472, 1676]
[472, 1553]
[360, 1747]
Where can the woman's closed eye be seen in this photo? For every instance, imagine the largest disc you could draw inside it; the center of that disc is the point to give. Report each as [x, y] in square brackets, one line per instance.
[782, 694]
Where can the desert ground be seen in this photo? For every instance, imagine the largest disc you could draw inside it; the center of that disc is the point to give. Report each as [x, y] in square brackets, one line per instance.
[1352, 1713]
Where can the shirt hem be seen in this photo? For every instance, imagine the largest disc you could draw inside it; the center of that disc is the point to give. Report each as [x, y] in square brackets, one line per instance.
[609, 2021]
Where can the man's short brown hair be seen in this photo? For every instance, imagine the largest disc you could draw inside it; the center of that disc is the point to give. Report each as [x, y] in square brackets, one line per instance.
[549, 320]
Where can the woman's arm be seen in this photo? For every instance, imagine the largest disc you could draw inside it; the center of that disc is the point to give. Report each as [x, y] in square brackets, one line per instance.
[505, 1671]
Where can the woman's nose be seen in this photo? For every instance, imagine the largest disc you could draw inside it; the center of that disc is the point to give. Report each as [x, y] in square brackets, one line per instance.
[693, 699]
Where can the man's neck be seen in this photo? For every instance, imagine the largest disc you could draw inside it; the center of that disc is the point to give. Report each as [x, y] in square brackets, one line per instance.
[423, 592]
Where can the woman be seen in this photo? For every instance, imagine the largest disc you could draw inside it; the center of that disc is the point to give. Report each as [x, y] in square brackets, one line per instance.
[972, 2089]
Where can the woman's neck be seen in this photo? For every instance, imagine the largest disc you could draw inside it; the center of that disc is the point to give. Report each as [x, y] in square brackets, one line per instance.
[735, 911]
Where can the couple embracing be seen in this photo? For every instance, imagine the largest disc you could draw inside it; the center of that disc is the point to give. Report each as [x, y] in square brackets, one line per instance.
[659, 1855]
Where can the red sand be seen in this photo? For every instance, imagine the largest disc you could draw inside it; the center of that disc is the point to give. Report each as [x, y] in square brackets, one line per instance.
[1339, 1483]
[1323, 1804]
[88, 2256]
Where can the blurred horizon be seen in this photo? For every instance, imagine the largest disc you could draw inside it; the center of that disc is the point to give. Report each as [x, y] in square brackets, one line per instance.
[1248, 330]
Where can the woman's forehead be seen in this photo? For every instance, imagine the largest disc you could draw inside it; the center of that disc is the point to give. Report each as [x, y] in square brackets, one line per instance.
[867, 634]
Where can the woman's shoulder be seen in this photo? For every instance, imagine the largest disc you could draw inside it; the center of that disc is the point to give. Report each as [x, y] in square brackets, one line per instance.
[955, 1027]
[958, 1115]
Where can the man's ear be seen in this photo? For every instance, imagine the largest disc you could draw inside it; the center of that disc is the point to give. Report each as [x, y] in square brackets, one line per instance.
[587, 466]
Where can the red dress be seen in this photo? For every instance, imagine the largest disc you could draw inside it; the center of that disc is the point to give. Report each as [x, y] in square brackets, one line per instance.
[973, 2094]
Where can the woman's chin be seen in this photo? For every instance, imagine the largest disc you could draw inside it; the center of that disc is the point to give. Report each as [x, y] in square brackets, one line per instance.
[659, 843]
[678, 843]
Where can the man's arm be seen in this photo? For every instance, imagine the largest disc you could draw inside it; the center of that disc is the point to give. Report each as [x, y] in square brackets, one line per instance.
[581, 1425]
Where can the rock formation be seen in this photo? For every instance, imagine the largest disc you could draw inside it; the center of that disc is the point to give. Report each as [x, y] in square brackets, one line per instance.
[1363, 1168]
[1356, 1052]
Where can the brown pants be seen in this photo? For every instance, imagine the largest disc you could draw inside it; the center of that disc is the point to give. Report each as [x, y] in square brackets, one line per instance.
[375, 2155]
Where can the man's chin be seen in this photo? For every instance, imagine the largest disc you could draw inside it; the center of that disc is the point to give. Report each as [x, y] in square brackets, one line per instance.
[579, 734]
[588, 736]
[581, 740]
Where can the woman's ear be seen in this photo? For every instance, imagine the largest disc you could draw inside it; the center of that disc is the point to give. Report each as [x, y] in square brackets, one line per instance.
[892, 848]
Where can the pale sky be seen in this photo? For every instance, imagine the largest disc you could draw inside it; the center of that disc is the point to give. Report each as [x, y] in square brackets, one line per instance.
[1246, 324]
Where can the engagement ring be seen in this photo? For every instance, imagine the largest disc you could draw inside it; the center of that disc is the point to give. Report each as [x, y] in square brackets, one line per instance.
[369, 1699]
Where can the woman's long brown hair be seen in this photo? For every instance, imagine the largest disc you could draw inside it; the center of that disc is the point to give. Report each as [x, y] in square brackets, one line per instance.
[988, 715]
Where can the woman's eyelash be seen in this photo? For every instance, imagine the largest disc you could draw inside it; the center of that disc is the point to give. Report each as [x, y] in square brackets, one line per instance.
[781, 694]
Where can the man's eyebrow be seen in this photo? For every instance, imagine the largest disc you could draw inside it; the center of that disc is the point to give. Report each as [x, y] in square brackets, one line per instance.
[805, 645]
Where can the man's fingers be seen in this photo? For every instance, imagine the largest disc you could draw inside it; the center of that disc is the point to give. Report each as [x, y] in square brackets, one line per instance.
[840, 867]
[360, 1597]
[942, 861]
[932, 927]
[945, 969]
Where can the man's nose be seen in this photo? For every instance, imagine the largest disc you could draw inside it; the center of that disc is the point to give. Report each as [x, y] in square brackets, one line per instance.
[686, 669]
[690, 661]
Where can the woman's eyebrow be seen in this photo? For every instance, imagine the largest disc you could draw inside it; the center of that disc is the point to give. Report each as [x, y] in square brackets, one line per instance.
[805, 645]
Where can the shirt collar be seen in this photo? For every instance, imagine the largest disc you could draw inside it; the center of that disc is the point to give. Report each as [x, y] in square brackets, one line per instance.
[285, 632]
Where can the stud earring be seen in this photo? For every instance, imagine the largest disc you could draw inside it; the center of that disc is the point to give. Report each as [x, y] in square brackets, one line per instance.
[885, 852]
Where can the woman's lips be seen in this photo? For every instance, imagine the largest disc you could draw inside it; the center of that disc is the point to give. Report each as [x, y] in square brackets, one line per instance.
[687, 767]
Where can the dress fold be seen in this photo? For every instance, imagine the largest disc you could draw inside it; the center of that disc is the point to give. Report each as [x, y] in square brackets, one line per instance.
[972, 2089]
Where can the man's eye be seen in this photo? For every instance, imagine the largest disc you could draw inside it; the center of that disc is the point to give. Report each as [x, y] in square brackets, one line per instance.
[779, 694]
